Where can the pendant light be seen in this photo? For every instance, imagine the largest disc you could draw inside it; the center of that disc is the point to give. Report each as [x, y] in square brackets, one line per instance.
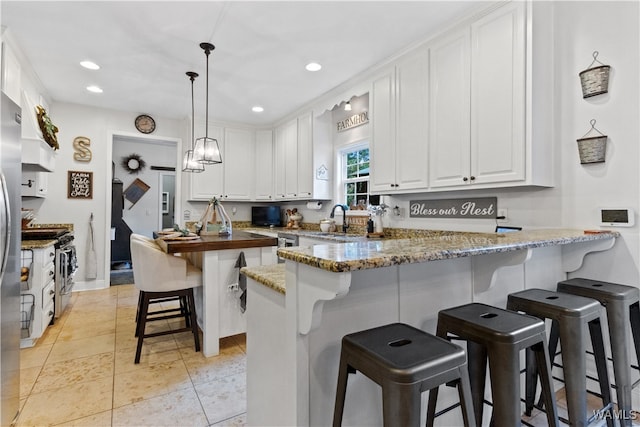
[189, 164]
[206, 150]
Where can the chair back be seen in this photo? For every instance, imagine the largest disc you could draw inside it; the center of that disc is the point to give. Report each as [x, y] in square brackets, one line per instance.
[154, 270]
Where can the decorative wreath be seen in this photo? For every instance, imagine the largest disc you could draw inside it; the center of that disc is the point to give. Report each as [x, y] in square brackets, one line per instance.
[47, 128]
[133, 163]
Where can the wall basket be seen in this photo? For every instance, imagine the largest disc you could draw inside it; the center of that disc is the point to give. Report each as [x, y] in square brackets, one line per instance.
[595, 80]
[592, 148]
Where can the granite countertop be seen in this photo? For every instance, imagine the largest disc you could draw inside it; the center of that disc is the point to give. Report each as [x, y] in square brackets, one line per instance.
[337, 237]
[272, 276]
[368, 254]
[40, 244]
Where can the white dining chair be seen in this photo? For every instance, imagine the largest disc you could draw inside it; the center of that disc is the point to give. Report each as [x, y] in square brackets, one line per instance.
[158, 275]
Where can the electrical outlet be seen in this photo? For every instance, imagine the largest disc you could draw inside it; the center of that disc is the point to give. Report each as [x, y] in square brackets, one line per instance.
[504, 213]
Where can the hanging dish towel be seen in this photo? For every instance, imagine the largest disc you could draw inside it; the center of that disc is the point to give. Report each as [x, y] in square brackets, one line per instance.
[242, 281]
[92, 267]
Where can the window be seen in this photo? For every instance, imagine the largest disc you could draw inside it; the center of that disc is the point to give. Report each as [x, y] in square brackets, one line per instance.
[355, 175]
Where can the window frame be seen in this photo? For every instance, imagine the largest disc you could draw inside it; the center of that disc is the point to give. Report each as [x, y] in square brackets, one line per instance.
[342, 179]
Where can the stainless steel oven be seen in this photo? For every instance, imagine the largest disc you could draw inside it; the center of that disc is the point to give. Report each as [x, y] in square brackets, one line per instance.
[66, 264]
[286, 240]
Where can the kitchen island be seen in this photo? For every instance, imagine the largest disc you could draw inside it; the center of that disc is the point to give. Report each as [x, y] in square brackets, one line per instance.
[297, 314]
[217, 256]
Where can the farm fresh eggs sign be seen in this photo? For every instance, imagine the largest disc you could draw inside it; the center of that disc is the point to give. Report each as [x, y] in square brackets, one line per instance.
[484, 207]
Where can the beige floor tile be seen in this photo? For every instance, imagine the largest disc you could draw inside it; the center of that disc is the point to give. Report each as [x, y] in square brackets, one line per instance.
[239, 421]
[206, 369]
[178, 408]
[156, 380]
[89, 315]
[50, 334]
[161, 352]
[34, 356]
[67, 350]
[125, 336]
[131, 301]
[67, 403]
[223, 398]
[87, 329]
[61, 374]
[28, 377]
[102, 419]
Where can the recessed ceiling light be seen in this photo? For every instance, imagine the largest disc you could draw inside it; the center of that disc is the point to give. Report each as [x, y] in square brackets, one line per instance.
[313, 66]
[90, 65]
[257, 109]
[94, 89]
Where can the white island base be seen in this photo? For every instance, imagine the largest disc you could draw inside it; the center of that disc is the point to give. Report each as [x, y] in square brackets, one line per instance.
[293, 339]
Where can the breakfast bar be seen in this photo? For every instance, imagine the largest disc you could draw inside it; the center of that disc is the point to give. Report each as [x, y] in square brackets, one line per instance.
[217, 256]
[298, 314]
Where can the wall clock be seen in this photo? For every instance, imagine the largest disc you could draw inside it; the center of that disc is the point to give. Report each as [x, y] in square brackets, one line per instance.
[145, 123]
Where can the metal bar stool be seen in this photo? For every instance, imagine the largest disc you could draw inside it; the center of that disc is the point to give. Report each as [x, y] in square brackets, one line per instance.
[405, 362]
[569, 315]
[499, 335]
[623, 314]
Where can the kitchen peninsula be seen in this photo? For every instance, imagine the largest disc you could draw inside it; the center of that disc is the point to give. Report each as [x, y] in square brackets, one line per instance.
[298, 314]
[217, 256]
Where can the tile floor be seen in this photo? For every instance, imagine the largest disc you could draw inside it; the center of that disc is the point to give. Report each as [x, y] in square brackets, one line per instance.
[81, 372]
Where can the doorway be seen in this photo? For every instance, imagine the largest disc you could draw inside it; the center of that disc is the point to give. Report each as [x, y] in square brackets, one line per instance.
[143, 195]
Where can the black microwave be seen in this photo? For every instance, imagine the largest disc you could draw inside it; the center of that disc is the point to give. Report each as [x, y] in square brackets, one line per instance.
[266, 215]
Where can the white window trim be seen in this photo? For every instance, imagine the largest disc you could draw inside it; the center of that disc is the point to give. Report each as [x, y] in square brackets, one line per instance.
[340, 154]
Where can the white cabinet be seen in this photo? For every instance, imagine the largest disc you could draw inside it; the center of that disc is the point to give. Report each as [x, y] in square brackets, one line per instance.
[11, 77]
[37, 289]
[34, 184]
[400, 113]
[298, 154]
[478, 103]
[238, 164]
[208, 184]
[264, 165]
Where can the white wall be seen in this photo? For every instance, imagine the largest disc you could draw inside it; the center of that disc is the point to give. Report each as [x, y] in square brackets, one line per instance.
[98, 125]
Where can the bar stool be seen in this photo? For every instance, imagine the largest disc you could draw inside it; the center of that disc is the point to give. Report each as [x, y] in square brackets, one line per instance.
[623, 313]
[569, 315]
[499, 335]
[404, 361]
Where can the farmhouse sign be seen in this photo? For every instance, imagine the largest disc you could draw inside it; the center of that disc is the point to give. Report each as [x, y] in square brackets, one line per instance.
[353, 121]
[79, 185]
[484, 207]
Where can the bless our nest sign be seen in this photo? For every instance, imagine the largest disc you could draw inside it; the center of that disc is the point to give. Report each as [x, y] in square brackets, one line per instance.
[484, 207]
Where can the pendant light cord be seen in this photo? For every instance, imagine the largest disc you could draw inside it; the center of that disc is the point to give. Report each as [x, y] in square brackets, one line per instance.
[192, 76]
[207, 47]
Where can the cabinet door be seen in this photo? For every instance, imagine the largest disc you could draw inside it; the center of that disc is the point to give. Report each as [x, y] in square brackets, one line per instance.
[239, 168]
[208, 184]
[291, 160]
[382, 147]
[11, 77]
[412, 121]
[449, 124]
[498, 95]
[279, 162]
[34, 184]
[264, 165]
[305, 156]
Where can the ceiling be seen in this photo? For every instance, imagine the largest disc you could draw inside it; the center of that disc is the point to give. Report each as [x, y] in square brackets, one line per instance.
[144, 49]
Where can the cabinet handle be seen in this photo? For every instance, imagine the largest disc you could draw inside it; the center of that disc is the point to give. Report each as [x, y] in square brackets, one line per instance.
[52, 292]
[52, 254]
[50, 313]
[51, 273]
[465, 179]
[473, 178]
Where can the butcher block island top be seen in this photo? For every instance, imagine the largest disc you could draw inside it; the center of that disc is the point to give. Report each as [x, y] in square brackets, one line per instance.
[383, 253]
[237, 240]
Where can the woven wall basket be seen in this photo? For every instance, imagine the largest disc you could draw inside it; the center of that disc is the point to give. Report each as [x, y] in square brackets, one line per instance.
[595, 80]
[593, 149]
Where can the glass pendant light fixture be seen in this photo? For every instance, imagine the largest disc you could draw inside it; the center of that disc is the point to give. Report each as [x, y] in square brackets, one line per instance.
[189, 164]
[207, 150]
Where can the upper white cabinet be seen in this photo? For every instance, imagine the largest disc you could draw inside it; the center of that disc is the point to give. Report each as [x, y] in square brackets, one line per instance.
[399, 115]
[11, 77]
[264, 165]
[239, 164]
[480, 107]
[34, 184]
[302, 155]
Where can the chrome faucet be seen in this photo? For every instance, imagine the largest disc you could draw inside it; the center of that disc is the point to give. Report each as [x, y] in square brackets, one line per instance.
[344, 215]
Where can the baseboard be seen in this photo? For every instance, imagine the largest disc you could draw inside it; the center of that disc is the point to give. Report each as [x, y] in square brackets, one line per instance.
[90, 285]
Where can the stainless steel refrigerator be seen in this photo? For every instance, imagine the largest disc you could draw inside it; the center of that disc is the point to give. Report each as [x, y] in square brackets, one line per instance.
[10, 220]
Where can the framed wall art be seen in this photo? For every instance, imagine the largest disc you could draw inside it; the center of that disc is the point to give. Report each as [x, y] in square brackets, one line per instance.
[79, 185]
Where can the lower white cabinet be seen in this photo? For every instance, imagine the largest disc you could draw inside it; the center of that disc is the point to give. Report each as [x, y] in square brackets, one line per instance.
[37, 289]
[34, 184]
